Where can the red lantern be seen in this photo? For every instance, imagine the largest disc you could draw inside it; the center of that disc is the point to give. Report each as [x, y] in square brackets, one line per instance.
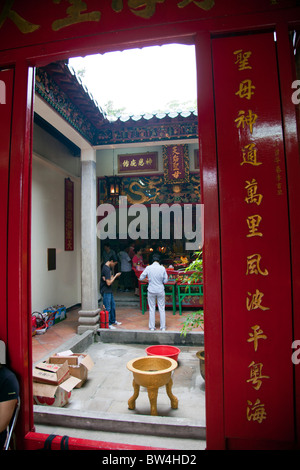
[104, 318]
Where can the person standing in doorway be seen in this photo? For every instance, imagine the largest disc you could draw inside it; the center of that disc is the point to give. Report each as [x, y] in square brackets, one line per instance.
[137, 264]
[108, 253]
[157, 277]
[126, 269]
[107, 279]
[131, 250]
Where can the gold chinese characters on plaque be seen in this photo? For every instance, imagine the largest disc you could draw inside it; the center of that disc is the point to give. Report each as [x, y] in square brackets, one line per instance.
[138, 162]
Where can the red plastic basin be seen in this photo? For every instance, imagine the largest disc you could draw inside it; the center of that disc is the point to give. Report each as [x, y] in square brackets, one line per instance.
[163, 350]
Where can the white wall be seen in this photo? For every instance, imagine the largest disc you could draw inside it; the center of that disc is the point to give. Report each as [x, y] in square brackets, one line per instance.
[50, 148]
[63, 285]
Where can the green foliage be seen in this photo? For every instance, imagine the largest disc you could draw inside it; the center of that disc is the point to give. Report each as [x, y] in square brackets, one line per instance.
[81, 73]
[178, 106]
[197, 267]
[111, 111]
[194, 319]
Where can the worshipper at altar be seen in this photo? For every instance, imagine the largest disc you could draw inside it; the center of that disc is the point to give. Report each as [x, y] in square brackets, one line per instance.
[131, 250]
[126, 269]
[157, 277]
[137, 263]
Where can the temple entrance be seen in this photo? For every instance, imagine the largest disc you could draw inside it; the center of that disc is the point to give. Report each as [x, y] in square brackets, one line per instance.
[119, 155]
[248, 147]
[140, 164]
[177, 235]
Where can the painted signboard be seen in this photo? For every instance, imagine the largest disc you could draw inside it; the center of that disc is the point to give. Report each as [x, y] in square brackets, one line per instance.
[32, 22]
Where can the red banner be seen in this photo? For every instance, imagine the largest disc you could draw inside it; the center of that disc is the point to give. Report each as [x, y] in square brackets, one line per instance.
[176, 164]
[69, 215]
[257, 315]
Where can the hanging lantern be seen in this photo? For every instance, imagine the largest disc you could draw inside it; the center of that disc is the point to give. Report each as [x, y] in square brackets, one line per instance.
[113, 186]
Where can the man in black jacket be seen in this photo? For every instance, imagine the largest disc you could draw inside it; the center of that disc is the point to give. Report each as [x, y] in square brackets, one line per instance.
[107, 279]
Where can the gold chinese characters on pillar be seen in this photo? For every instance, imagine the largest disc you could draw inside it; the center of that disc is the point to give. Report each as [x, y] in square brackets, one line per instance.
[254, 239]
[247, 119]
[176, 164]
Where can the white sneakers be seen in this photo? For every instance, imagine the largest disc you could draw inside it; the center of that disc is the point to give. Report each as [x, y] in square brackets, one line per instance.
[112, 327]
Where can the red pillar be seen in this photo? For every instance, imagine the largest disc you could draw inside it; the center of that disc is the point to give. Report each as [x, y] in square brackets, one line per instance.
[285, 57]
[18, 243]
[7, 79]
[212, 264]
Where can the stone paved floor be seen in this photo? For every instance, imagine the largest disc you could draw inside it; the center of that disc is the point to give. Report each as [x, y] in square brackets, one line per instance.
[130, 317]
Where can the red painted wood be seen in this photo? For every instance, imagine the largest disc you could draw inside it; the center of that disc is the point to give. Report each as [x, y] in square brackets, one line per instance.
[169, 24]
[253, 301]
[180, 32]
[287, 76]
[18, 250]
[36, 441]
[211, 254]
[6, 93]
[43, 27]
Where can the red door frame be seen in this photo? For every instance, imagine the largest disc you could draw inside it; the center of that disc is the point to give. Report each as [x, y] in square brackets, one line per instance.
[18, 253]
[212, 257]
[19, 342]
[6, 77]
[286, 77]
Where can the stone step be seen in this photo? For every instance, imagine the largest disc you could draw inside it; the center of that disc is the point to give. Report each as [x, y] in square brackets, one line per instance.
[125, 299]
[109, 422]
[105, 335]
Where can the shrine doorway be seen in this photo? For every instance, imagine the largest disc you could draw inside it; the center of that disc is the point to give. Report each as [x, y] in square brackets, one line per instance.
[243, 21]
[195, 171]
[106, 165]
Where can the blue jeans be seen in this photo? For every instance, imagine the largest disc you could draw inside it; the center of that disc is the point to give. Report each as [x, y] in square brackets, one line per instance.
[109, 303]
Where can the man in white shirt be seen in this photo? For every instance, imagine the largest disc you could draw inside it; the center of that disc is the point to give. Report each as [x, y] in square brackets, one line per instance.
[157, 277]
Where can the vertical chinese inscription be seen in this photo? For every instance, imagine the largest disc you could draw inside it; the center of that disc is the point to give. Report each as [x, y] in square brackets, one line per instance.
[254, 240]
[246, 120]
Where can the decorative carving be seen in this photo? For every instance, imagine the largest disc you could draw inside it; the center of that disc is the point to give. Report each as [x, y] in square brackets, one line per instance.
[152, 190]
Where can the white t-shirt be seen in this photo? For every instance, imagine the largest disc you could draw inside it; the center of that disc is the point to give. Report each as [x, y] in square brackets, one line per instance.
[157, 277]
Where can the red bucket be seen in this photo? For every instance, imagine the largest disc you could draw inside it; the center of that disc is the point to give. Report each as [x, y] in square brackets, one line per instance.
[163, 350]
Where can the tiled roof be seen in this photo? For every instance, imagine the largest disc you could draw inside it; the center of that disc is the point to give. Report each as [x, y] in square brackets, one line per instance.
[62, 88]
